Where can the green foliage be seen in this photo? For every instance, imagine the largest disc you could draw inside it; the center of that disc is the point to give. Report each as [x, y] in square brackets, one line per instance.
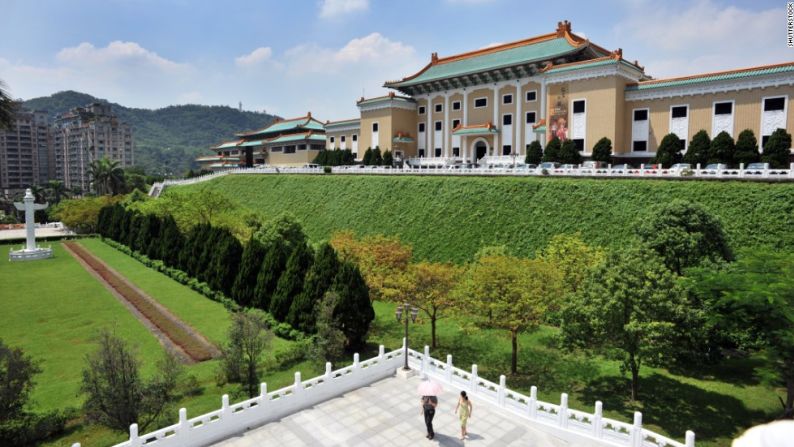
[353, 310]
[568, 153]
[777, 151]
[284, 229]
[698, 149]
[225, 260]
[573, 258]
[669, 151]
[290, 284]
[684, 235]
[367, 159]
[746, 148]
[329, 342]
[626, 309]
[552, 150]
[722, 149]
[82, 215]
[534, 153]
[249, 336]
[388, 159]
[171, 242]
[377, 158]
[302, 312]
[602, 151]
[250, 265]
[267, 279]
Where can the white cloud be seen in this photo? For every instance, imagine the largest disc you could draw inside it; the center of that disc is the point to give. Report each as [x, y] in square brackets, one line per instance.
[703, 36]
[336, 8]
[373, 50]
[117, 52]
[255, 57]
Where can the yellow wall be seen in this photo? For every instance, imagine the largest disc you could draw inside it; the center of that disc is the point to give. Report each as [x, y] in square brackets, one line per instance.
[298, 159]
[390, 121]
[348, 134]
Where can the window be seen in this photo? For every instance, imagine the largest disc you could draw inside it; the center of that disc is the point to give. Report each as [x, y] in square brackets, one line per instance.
[480, 102]
[507, 149]
[421, 153]
[641, 115]
[532, 95]
[302, 147]
[771, 104]
[456, 105]
[723, 108]
[507, 99]
[421, 110]
[355, 137]
[578, 106]
[531, 117]
[639, 146]
[421, 127]
[455, 124]
[374, 127]
[438, 152]
[578, 143]
[289, 149]
[342, 138]
[332, 140]
[438, 125]
[439, 108]
[507, 119]
[678, 112]
[456, 152]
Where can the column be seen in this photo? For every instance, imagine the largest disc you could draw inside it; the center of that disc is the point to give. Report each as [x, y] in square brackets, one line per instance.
[496, 151]
[519, 123]
[464, 147]
[447, 134]
[543, 109]
[428, 130]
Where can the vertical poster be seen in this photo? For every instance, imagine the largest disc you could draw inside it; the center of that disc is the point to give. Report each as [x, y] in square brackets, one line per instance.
[558, 116]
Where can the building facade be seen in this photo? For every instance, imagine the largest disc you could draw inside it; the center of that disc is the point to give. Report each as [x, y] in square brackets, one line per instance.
[26, 157]
[85, 134]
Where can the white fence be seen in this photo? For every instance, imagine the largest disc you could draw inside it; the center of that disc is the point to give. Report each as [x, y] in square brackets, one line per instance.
[428, 168]
[558, 419]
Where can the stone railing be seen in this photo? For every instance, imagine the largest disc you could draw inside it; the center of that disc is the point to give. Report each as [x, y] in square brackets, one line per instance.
[558, 419]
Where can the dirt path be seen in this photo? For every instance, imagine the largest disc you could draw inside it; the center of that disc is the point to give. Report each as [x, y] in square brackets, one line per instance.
[172, 332]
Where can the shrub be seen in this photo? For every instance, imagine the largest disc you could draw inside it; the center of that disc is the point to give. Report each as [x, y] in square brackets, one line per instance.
[602, 151]
[669, 151]
[698, 150]
[552, 150]
[534, 153]
[722, 149]
[777, 151]
[746, 148]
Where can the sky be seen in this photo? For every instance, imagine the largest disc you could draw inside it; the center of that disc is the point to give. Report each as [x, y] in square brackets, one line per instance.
[288, 57]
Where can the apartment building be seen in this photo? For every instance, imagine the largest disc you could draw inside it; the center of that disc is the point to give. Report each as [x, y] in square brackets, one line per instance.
[26, 152]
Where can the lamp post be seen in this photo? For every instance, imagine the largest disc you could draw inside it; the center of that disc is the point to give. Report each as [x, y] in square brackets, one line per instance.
[406, 309]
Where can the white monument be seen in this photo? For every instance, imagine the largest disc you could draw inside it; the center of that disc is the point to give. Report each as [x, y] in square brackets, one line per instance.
[30, 252]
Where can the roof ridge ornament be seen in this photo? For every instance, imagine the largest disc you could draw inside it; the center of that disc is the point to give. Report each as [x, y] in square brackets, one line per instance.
[563, 28]
[434, 58]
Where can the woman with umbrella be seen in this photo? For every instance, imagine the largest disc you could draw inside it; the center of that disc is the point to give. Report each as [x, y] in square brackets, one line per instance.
[429, 391]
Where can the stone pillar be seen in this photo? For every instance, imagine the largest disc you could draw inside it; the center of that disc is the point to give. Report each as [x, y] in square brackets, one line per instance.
[533, 402]
[464, 149]
[563, 415]
[690, 438]
[597, 417]
[445, 129]
[473, 379]
[429, 131]
[496, 151]
[636, 430]
[543, 138]
[519, 122]
[135, 441]
[448, 368]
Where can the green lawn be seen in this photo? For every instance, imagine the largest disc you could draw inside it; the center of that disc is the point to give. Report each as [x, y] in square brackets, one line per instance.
[717, 405]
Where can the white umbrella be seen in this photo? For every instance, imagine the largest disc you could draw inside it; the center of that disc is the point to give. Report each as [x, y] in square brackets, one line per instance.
[776, 434]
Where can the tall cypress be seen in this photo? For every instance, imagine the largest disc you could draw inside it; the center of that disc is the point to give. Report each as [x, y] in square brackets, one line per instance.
[171, 242]
[290, 284]
[353, 312]
[552, 151]
[698, 150]
[267, 278]
[250, 265]
[722, 149]
[319, 279]
[746, 148]
[224, 262]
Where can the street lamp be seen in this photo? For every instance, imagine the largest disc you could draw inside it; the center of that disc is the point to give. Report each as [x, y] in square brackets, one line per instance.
[406, 309]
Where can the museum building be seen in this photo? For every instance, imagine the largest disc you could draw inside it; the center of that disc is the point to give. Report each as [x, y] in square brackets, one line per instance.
[488, 105]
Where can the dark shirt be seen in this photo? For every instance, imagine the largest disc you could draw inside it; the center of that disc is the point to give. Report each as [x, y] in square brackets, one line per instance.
[429, 402]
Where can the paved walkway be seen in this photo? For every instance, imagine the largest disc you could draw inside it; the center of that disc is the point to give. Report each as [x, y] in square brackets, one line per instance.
[387, 414]
[19, 234]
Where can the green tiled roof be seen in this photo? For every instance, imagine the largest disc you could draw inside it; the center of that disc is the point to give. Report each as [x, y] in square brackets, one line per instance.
[304, 122]
[540, 129]
[252, 143]
[738, 74]
[344, 122]
[513, 56]
[572, 67]
[228, 144]
[475, 131]
[402, 140]
[298, 137]
[385, 98]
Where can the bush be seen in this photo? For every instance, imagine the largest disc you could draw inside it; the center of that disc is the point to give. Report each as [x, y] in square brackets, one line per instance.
[669, 151]
[327, 169]
[722, 149]
[552, 150]
[534, 153]
[777, 151]
[698, 150]
[602, 151]
[747, 148]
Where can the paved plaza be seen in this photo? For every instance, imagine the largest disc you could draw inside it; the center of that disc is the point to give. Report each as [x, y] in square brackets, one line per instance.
[387, 413]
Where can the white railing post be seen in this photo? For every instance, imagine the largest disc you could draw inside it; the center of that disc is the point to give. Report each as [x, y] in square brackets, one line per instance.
[597, 417]
[636, 430]
[328, 370]
[224, 405]
[298, 386]
[426, 359]
[184, 427]
[791, 170]
[741, 170]
[381, 352]
[563, 416]
[262, 393]
[473, 379]
[533, 402]
[690, 438]
[500, 393]
[76, 444]
[135, 441]
[448, 369]
[355, 361]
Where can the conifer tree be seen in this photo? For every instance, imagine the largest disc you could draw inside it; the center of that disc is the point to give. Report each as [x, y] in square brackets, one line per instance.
[552, 151]
[134, 223]
[669, 151]
[698, 150]
[224, 261]
[268, 276]
[534, 153]
[568, 154]
[388, 160]
[746, 148]
[290, 284]
[321, 158]
[319, 279]
[367, 160]
[377, 158]
[171, 242]
[348, 158]
[722, 149]
[777, 150]
[602, 151]
[250, 265]
[353, 312]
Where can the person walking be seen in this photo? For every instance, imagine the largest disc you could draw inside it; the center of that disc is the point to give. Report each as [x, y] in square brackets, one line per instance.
[429, 404]
[465, 407]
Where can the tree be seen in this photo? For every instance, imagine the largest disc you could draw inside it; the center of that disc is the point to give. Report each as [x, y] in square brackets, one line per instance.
[329, 341]
[510, 293]
[285, 229]
[746, 148]
[56, 190]
[684, 234]
[6, 108]
[388, 160]
[353, 312]
[722, 149]
[107, 176]
[249, 337]
[250, 265]
[272, 267]
[225, 261]
[192, 249]
[146, 234]
[321, 158]
[82, 215]
[669, 151]
[303, 311]
[116, 396]
[171, 242]
[552, 150]
[377, 159]
[698, 150]
[348, 158]
[777, 150]
[534, 153]
[602, 151]
[568, 154]
[367, 159]
[432, 286]
[290, 284]
[755, 295]
[626, 309]
[573, 258]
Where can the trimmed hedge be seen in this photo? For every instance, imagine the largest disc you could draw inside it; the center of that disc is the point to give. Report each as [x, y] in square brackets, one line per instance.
[450, 218]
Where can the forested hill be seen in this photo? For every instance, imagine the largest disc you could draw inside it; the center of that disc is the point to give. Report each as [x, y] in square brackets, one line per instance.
[168, 139]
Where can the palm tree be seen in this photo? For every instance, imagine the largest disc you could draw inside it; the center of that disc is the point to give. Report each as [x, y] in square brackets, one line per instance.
[107, 177]
[6, 108]
[56, 190]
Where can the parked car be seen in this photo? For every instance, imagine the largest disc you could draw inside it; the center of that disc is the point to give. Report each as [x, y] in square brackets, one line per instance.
[713, 168]
[593, 164]
[549, 165]
[526, 167]
[680, 166]
[621, 168]
[569, 166]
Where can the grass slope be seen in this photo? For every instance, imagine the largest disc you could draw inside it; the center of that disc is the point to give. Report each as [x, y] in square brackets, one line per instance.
[450, 218]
